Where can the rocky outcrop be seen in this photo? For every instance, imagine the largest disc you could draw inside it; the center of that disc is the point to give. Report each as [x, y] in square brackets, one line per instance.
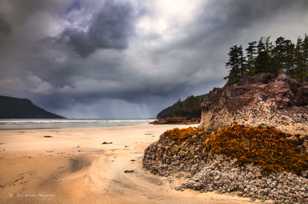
[257, 162]
[252, 141]
[263, 99]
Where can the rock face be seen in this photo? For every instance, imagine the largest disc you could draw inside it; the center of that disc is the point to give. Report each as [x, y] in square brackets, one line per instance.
[263, 99]
[11, 108]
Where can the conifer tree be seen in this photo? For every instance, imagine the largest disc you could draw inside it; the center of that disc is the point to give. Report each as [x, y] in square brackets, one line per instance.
[261, 45]
[263, 61]
[242, 60]
[305, 56]
[251, 53]
[236, 64]
[278, 53]
[265, 57]
[269, 46]
[289, 56]
[299, 68]
[283, 54]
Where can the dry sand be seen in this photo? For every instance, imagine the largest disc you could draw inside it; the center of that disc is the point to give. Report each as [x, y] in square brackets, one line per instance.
[73, 166]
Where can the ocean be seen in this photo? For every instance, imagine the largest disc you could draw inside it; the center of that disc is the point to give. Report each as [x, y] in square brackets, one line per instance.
[15, 124]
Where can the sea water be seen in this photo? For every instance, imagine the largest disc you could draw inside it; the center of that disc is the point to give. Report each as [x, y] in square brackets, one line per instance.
[12, 124]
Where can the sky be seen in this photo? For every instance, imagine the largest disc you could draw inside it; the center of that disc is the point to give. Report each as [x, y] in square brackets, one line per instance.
[129, 58]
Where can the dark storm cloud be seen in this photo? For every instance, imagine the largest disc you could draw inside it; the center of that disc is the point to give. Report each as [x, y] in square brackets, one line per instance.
[107, 67]
[21, 10]
[110, 28]
[18, 12]
[27, 22]
[223, 21]
[5, 27]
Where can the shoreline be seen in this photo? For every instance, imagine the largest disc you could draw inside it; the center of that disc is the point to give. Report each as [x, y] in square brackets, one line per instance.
[29, 124]
[74, 166]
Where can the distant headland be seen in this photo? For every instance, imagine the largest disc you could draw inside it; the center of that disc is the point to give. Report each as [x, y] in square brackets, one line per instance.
[17, 108]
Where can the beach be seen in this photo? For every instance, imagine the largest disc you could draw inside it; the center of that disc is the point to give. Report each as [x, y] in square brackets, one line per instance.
[88, 165]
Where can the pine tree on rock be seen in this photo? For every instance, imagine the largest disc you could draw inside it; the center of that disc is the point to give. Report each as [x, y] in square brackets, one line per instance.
[236, 64]
[305, 56]
[265, 57]
[251, 53]
[263, 61]
[283, 54]
[299, 69]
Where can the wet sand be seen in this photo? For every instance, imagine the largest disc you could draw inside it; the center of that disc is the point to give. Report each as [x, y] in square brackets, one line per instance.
[89, 165]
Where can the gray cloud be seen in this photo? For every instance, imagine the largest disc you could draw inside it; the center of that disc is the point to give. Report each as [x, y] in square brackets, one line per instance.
[110, 28]
[96, 61]
[5, 27]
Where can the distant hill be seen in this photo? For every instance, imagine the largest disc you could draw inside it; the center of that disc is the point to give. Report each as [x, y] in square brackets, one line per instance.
[186, 111]
[11, 107]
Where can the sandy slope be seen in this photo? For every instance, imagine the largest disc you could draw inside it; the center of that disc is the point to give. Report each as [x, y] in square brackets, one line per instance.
[73, 166]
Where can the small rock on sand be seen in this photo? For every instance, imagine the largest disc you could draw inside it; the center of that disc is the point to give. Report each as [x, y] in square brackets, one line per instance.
[106, 143]
[129, 171]
[48, 136]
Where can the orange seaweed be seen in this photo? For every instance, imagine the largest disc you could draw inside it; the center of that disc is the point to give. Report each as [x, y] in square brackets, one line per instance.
[266, 147]
[181, 134]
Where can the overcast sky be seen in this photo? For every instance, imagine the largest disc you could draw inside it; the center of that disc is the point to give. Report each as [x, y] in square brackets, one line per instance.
[129, 58]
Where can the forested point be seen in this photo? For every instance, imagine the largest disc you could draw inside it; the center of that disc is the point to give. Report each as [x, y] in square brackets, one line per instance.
[189, 108]
[266, 56]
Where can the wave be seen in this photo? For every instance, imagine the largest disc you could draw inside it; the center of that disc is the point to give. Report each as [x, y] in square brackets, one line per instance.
[65, 123]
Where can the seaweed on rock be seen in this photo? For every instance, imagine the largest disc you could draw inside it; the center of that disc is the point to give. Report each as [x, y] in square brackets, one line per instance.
[266, 147]
[257, 162]
[262, 146]
[182, 134]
